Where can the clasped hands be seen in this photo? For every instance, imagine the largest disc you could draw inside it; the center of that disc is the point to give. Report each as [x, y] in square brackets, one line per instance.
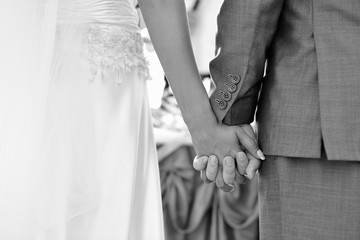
[226, 154]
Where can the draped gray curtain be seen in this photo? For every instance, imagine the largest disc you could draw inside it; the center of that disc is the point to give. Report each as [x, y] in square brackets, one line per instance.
[194, 210]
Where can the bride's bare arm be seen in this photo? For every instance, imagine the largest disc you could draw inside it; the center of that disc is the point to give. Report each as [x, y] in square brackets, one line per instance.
[168, 28]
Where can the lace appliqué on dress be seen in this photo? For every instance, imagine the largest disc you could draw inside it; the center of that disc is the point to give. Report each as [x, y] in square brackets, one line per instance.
[111, 48]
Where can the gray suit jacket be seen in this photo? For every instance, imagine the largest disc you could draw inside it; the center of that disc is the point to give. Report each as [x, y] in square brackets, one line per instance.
[311, 92]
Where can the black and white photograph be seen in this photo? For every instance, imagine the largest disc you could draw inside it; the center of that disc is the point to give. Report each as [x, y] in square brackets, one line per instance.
[180, 120]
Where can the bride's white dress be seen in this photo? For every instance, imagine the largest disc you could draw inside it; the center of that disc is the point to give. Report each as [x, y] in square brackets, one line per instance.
[96, 174]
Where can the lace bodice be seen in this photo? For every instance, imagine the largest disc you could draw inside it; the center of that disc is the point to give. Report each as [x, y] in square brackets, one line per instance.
[112, 40]
[110, 47]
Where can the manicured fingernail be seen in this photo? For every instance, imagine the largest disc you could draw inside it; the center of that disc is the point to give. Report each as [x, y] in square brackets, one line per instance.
[260, 154]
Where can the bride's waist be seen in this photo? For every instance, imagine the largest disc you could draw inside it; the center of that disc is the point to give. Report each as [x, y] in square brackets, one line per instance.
[122, 18]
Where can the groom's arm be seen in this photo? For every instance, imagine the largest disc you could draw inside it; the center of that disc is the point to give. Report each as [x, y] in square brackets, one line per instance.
[245, 31]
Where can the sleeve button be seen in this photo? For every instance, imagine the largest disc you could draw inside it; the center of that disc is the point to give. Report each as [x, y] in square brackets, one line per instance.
[225, 95]
[231, 87]
[221, 104]
[235, 78]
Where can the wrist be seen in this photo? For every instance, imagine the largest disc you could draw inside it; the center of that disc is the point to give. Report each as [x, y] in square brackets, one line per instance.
[202, 121]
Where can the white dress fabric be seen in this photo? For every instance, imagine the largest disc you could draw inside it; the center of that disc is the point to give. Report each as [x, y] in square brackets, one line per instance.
[95, 176]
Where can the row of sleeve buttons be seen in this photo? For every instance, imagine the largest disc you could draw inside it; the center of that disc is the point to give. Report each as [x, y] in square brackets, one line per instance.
[233, 80]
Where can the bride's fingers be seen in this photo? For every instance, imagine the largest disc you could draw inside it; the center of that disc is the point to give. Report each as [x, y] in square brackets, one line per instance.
[212, 168]
[200, 163]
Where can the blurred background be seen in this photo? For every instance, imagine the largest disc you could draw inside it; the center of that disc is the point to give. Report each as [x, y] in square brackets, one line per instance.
[193, 210]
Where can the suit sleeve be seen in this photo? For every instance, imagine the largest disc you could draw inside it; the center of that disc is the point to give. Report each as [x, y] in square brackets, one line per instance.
[245, 31]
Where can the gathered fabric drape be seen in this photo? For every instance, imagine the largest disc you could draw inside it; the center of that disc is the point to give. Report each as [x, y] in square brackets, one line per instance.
[194, 210]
